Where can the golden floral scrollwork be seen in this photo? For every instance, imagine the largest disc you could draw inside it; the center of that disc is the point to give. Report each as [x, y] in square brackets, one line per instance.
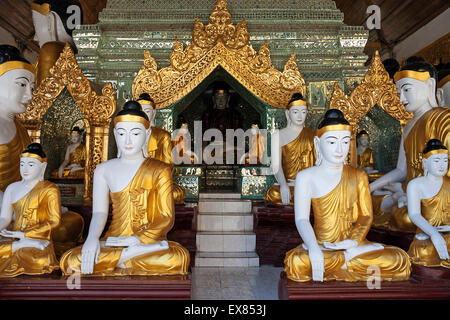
[98, 109]
[219, 43]
[375, 88]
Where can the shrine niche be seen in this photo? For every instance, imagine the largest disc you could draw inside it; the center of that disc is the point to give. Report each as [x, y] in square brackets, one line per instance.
[97, 110]
[375, 89]
[220, 43]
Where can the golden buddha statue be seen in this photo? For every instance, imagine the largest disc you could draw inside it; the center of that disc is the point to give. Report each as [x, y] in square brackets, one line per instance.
[159, 143]
[336, 247]
[183, 152]
[292, 150]
[75, 158]
[365, 154]
[257, 147]
[429, 208]
[36, 204]
[143, 210]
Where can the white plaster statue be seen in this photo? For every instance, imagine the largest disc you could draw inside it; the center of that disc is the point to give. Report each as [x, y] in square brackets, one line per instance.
[75, 156]
[183, 152]
[443, 91]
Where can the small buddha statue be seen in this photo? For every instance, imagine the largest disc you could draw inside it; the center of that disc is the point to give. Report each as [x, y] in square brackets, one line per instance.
[292, 150]
[183, 152]
[429, 208]
[336, 247]
[75, 157]
[365, 154]
[143, 210]
[257, 147]
[52, 32]
[416, 83]
[443, 91]
[35, 204]
[159, 145]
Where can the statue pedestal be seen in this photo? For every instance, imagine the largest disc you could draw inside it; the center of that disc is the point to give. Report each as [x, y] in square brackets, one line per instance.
[340, 290]
[96, 288]
[72, 191]
[395, 238]
[425, 273]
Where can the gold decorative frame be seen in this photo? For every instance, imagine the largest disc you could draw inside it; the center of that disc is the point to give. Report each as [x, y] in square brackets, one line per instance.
[375, 88]
[220, 43]
[98, 110]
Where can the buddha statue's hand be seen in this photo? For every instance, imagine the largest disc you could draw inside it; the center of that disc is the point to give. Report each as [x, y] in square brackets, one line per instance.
[341, 245]
[60, 171]
[12, 234]
[29, 243]
[285, 194]
[89, 255]
[443, 228]
[440, 245]
[317, 263]
[122, 241]
[402, 200]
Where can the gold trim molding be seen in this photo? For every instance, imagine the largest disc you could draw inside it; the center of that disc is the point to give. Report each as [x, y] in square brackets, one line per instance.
[98, 110]
[220, 43]
[376, 88]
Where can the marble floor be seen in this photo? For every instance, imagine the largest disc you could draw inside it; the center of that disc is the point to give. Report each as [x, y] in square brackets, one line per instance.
[232, 283]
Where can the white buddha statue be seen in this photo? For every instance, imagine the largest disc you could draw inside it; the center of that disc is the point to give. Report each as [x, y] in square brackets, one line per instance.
[292, 150]
[257, 148]
[183, 153]
[365, 153]
[336, 247]
[33, 207]
[143, 210]
[443, 91]
[429, 208]
[74, 158]
[416, 84]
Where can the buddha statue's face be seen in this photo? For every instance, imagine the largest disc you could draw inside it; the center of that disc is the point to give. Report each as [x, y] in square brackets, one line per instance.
[436, 164]
[130, 138]
[75, 137]
[363, 141]
[221, 100]
[334, 146]
[415, 93]
[32, 169]
[255, 130]
[150, 111]
[297, 115]
[16, 87]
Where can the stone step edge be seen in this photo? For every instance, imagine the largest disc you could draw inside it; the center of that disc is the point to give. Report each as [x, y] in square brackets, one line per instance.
[210, 213]
[226, 233]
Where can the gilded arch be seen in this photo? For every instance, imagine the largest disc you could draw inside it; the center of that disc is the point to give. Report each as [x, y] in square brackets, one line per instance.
[98, 110]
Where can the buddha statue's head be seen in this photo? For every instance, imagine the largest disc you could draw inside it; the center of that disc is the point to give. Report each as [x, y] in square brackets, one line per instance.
[54, 20]
[255, 129]
[33, 163]
[416, 84]
[332, 138]
[184, 129]
[221, 97]
[435, 158]
[297, 110]
[131, 130]
[148, 106]
[443, 91]
[362, 138]
[16, 81]
[76, 135]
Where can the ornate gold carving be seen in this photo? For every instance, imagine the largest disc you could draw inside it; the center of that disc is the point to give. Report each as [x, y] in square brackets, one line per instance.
[219, 43]
[98, 109]
[375, 88]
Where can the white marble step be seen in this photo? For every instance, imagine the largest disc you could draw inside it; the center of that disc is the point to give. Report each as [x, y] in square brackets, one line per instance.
[226, 241]
[226, 259]
[222, 195]
[214, 221]
[224, 205]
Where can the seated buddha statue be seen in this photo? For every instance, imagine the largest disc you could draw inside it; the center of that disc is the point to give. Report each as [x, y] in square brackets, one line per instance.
[429, 208]
[140, 189]
[75, 158]
[182, 143]
[35, 204]
[443, 91]
[416, 83]
[365, 154]
[257, 148]
[159, 145]
[52, 32]
[336, 247]
[292, 150]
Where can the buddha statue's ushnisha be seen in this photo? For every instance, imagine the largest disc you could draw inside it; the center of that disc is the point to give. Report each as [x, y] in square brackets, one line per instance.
[74, 159]
[35, 204]
[292, 150]
[143, 210]
[159, 144]
[336, 247]
[416, 83]
[429, 208]
[443, 91]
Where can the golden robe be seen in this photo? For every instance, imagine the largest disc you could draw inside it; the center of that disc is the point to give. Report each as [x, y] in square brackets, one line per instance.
[297, 155]
[144, 209]
[48, 55]
[10, 156]
[346, 213]
[365, 159]
[434, 124]
[37, 215]
[78, 156]
[436, 211]
[160, 147]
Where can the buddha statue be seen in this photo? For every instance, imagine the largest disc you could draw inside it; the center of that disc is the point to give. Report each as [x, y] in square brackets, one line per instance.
[365, 154]
[35, 204]
[159, 144]
[75, 158]
[292, 150]
[50, 18]
[336, 247]
[443, 91]
[257, 149]
[416, 83]
[183, 151]
[143, 210]
[429, 208]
